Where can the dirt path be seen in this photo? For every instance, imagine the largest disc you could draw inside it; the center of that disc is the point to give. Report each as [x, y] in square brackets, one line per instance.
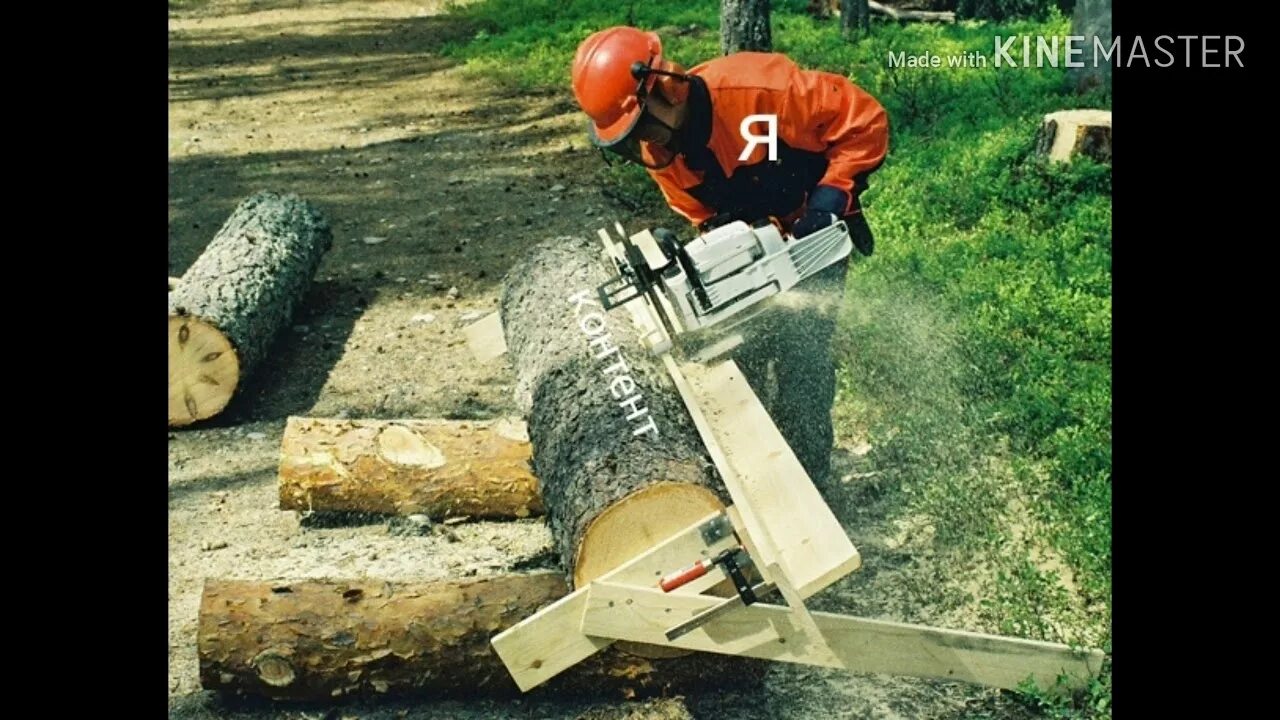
[434, 181]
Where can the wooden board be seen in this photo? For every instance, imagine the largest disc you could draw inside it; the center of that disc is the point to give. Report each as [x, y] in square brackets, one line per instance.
[772, 632]
[485, 338]
[551, 641]
[763, 549]
[648, 247]
[786, 516]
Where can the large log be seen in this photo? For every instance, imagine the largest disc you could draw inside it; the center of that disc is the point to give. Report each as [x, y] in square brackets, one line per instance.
[618, 474]
[322, 639]
[236, 297]
[441, 468]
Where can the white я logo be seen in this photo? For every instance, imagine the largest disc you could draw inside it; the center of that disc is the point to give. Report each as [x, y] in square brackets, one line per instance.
[753, 140]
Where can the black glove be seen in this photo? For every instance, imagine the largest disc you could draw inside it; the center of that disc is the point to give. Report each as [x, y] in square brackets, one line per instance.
[812, 222]
[860, 232]
[824, 206]
[828, 204]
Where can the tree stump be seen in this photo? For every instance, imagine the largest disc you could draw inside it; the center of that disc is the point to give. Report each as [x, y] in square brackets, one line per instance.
[1068, 133]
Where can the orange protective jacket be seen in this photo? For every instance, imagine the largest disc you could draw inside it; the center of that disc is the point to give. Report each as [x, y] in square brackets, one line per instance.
[830, 133]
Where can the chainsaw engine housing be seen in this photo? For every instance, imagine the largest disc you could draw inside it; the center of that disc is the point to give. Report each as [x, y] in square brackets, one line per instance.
[736, 266]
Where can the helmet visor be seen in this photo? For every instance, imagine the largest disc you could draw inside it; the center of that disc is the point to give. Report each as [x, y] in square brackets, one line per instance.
[635, 145]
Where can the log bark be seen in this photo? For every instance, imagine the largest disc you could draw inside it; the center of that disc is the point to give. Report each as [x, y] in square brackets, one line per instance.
[236, 297]
[325, 639]
[441, 468]
[610, 491]
[945, 16]
[1068, 133]
[744, 25]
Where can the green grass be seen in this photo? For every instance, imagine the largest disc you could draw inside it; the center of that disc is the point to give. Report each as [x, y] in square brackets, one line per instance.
[530, 44]
[975, 347]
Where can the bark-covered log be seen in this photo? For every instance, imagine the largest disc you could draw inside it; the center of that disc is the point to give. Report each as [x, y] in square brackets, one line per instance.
[323, 639]
[870, 6]
[744, 26]
[236, 297]
[441, 468]
[1068, 133]
[612, 487]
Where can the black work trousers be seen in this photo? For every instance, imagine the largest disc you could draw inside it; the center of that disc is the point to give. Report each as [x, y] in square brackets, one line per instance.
[786, 358]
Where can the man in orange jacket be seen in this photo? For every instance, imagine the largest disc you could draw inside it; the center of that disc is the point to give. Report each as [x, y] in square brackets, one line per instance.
[699, 135]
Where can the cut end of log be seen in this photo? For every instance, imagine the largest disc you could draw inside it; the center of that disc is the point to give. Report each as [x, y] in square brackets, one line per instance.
[203, 370]
[634, 525]
[630, 527]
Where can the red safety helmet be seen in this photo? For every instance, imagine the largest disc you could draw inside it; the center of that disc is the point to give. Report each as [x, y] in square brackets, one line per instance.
[613, 73]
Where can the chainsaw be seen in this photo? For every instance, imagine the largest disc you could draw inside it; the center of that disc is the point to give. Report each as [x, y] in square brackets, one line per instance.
[719, 274]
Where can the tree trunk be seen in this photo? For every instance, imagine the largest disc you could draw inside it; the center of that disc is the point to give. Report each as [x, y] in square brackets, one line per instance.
[441, 468]
[744, 25]
[619, 460]
[319, 640]
[1092, 21]
[235, 298]
[855, 15]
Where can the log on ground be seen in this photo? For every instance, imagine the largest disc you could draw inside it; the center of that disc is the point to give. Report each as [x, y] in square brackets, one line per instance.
[325, 639]
[942, 16]
[236, 297]
[442, 468]
[620, 462]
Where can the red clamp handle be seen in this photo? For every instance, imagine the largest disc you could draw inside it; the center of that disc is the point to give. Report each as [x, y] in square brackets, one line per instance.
[671, 581]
